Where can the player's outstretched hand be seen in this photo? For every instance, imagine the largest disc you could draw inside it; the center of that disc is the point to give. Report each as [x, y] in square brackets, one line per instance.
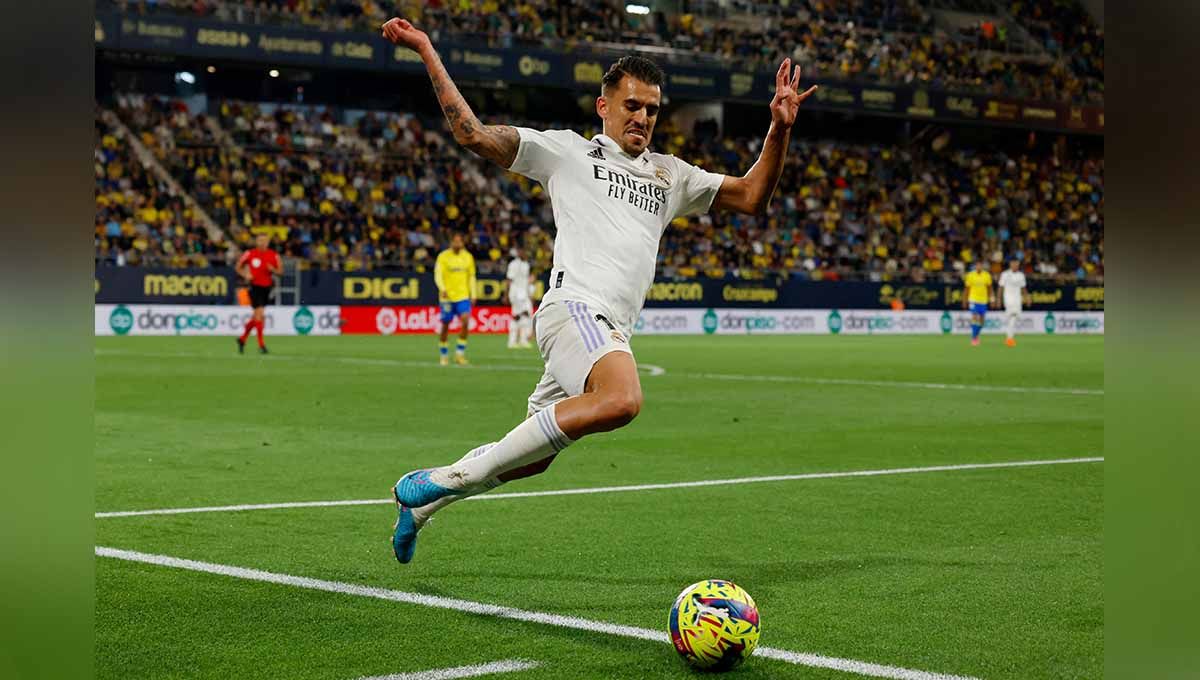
[403, 33]
[788, 96]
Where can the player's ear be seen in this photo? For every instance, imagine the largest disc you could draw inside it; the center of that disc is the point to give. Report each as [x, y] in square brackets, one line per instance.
[602, 107]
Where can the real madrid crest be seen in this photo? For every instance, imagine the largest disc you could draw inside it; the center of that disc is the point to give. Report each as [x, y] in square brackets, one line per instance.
[662, 175]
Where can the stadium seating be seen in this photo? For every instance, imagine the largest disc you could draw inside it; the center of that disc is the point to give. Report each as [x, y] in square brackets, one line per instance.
[368, 190]
[140, 220]
[878, 41]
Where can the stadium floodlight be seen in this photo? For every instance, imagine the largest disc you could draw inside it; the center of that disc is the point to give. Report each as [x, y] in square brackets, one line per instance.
[185, 77]
[274, 73]
[637, 9]
[211, 69]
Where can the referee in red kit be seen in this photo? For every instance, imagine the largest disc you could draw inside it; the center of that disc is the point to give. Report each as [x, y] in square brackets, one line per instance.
[258, 267]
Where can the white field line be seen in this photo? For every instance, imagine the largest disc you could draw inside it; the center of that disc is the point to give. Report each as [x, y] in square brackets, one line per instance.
[651, 369]
[616, 489]
[507, 666]
[362, 361]
[894, 383]
[481, 609]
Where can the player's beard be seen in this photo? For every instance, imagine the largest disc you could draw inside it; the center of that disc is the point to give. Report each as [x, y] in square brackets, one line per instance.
[637, 139]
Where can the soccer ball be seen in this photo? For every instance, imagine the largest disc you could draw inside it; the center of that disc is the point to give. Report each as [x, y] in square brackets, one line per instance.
[714, 625]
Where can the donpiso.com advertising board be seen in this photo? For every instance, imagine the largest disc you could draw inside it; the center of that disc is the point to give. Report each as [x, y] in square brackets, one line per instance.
[213, 320]
[854, 322]
[375, 320]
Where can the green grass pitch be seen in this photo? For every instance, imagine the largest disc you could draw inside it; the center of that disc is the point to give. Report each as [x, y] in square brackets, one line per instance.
[988, 573]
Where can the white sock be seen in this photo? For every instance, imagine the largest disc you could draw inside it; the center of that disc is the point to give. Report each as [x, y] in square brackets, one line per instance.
[423, 513]
[531, 441]
[513, 330]
[1012, 325]
[526, 329]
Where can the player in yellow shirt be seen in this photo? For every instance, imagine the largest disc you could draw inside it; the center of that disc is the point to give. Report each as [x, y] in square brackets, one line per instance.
[978, 295]
[454, 274]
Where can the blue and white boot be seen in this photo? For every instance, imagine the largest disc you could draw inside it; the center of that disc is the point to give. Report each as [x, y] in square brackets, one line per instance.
[416, 489]
[404, 534]
[412, 491]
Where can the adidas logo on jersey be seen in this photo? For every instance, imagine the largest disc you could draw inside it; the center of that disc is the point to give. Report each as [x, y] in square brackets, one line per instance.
[596, 153]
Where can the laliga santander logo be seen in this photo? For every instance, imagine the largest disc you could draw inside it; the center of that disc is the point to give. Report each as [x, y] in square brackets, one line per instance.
[386, 321]
[414, 319]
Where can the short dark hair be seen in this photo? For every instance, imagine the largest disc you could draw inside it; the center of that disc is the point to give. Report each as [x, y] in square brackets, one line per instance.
[638, 67]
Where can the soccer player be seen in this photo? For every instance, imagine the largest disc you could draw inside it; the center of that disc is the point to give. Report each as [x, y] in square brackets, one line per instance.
[1013, 292]
[520, 284]
[612, 198]
[258, 266]
[978, 293]
[454, 274]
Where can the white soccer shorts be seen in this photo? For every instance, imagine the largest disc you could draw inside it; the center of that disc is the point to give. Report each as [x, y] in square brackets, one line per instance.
[521, 306]
[571, 337]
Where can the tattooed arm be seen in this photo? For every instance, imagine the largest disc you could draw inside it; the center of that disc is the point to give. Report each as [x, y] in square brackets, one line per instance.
[497, 143]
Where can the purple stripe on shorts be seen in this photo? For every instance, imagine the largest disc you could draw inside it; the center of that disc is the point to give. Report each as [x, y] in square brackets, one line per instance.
[589, 343]
[578, 328]
[589, 324]
[601, 331]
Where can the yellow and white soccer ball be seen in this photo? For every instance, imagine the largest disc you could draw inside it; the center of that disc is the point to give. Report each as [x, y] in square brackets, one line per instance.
[714, 625]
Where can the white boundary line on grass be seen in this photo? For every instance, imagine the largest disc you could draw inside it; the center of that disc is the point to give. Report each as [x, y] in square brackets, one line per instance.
[895, 383]
[617, 489]
[653, 370]
[481, 609]
[506, 666]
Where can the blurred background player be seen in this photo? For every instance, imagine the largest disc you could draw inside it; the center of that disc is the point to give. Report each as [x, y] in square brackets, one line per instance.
[978, 296]
[258, 266]
[1012, 291]
[520, 288]
[454, 274]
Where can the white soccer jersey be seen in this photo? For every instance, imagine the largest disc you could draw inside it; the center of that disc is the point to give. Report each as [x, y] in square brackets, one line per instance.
[1011, 283]
[610, 210]
[518, 279]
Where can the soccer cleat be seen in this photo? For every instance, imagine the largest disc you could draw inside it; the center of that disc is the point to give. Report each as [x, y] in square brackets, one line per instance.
[241, 346]
[416, 489]
[444, 361]
[404, 533]
[263, 350]
[1010, 342]
[461, 360]
[974, 342]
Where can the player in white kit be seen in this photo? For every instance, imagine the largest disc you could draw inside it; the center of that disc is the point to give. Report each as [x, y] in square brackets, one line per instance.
[612, 198]
[1012, 291]
[520, 291]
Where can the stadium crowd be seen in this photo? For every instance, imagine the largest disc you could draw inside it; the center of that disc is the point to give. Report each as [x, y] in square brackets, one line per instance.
[877, 41]
[385, 190]
[140, 219]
